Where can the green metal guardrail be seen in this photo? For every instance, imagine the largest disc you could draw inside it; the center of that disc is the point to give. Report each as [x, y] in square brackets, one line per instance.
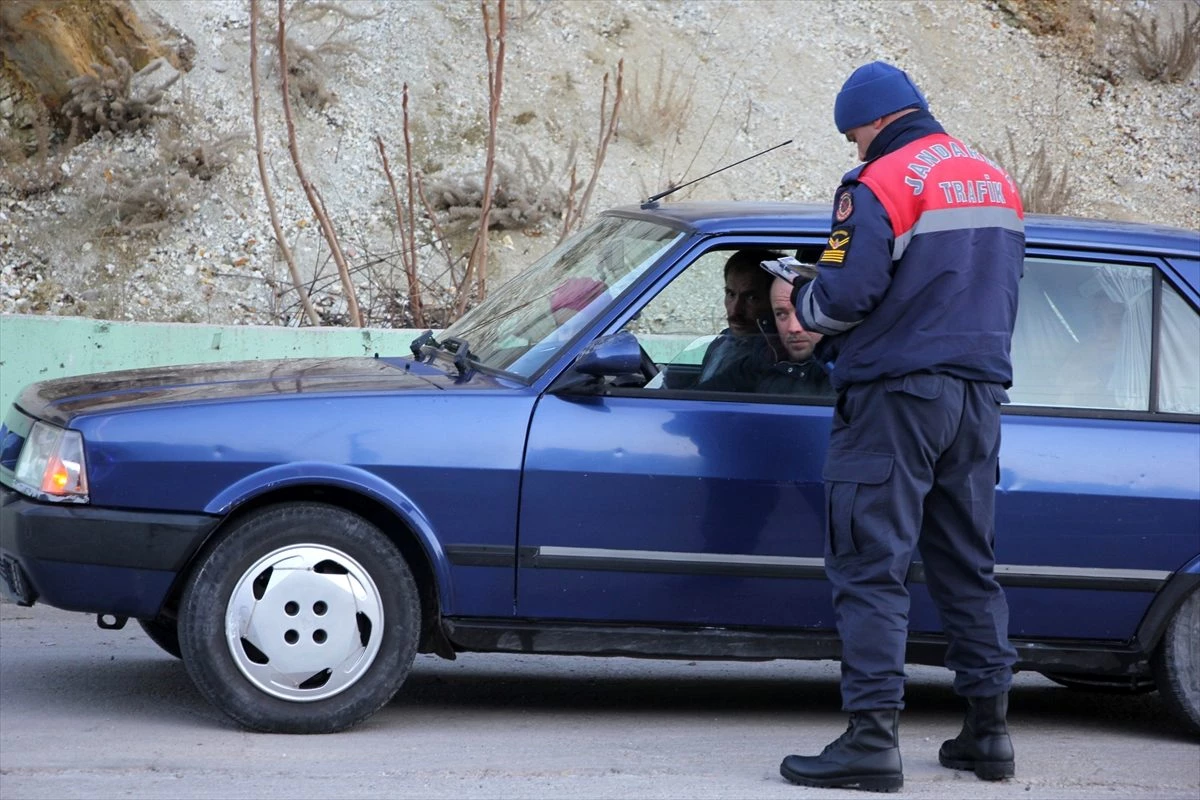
[37, 348]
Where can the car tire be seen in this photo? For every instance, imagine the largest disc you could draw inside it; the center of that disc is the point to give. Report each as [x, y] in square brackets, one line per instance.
[303, 618]
[164, 633]
[1176, 663]
[1104, 684]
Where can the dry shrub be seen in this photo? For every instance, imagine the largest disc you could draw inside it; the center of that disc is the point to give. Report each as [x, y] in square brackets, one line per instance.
[527, 193]
[205, 159]
[661, 110]
[311, 11]
[201, 159]
[24, 174]
[136, 195]
[141, 204]
[309, 70]
[1107, 35]
[116, 99]
[1044, 184]
[1165, 57]
[528, 11]
[311, 67]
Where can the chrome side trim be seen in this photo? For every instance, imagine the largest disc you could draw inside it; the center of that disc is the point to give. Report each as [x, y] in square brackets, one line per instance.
[1025, 575]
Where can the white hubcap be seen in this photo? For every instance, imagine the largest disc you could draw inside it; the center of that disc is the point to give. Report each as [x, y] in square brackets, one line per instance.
[304, 623]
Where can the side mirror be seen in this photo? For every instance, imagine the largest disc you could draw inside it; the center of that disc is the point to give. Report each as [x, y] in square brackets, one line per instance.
[610, 356]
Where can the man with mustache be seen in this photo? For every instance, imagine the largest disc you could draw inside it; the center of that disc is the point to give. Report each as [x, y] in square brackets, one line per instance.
[734, 360]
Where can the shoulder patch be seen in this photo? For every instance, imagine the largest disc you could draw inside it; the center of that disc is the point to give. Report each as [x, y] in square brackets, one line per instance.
[844, 206]
[837, 248]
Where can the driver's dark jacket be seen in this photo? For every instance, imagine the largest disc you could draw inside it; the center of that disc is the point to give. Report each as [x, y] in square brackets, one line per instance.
[751, 364]
[734, 363]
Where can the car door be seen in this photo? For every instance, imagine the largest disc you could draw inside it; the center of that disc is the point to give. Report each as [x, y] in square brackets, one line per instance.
[1100, 458]
[673, 505]
[702, 508]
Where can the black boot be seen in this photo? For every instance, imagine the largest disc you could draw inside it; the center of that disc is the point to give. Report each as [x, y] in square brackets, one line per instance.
[983, 745]
[866, 756]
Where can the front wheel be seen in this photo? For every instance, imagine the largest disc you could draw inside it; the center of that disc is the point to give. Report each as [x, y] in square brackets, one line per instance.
[1176, 663]
[304, 618]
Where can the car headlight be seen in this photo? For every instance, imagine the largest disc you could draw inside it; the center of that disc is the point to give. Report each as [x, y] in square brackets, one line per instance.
[51, 466]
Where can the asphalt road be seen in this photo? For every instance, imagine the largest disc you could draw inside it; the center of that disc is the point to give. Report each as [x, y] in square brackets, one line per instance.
[104, 714]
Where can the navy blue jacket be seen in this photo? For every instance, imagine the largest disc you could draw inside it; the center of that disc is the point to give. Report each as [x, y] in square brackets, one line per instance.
[921, 271]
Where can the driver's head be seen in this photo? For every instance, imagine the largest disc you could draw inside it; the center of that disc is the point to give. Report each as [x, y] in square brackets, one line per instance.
[747, 290]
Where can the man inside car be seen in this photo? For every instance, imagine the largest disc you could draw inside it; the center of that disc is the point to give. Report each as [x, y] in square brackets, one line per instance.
[797, 371]
[740, 355]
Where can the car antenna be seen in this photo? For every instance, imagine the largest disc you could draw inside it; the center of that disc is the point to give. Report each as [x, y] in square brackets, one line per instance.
[652, 202]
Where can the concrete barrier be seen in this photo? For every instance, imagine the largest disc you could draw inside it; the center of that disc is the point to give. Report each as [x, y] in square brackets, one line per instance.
[36, 348]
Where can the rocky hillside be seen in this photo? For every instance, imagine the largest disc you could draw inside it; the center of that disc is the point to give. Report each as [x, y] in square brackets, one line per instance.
[167, 220]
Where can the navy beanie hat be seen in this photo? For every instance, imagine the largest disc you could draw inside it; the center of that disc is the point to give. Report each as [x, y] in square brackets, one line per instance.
[872, 91]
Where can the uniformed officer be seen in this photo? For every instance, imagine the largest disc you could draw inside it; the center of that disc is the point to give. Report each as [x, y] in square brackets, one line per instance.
[916, 295]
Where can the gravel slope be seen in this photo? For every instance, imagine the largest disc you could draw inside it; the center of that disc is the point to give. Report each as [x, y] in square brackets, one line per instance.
[757, 73]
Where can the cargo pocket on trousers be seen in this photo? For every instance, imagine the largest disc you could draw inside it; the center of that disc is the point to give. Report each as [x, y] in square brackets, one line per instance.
[845, 471]
[997, 393]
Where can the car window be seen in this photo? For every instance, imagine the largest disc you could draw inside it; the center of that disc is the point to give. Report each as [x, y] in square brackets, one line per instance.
[677, 325]
[1179, 368]
[527, 321]
[713, 329]
[1082, 337]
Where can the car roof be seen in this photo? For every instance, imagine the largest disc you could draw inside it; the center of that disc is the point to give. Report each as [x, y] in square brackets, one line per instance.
[734, 217]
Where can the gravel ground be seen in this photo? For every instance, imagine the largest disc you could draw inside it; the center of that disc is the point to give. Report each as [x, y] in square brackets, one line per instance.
[754, 74]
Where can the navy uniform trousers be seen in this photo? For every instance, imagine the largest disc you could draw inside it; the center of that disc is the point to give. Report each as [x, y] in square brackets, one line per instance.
[913, 463]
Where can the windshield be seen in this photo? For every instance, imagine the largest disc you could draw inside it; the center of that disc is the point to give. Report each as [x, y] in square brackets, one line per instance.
[525, 322]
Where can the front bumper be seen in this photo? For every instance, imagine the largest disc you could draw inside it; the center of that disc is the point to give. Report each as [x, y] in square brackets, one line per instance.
[97, 560]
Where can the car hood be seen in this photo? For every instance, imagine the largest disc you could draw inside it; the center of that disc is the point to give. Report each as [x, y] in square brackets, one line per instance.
[63, 399]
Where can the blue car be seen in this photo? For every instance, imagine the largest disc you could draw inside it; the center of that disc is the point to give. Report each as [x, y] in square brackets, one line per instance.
[555, 473]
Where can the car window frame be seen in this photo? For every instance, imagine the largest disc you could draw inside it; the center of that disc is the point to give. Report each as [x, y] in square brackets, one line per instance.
[539, 380]
[692, 248]
[700, 247]
[1156, 364]
[1160, 271]
[1184, 275]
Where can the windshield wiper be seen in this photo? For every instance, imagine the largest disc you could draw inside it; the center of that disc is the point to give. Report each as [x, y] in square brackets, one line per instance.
[461, 351]
[425, 338]
[453, 345]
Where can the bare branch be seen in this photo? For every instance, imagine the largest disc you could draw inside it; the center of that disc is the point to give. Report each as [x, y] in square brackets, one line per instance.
[314, 200]
[495, 46]
[409, 263]
[608, 127]
[280, 240]
[570, 213]
[417, 305]
[440, 235]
